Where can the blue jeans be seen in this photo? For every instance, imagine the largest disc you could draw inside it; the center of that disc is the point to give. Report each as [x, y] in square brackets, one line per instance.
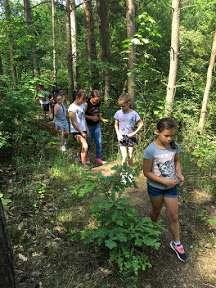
[95, 133]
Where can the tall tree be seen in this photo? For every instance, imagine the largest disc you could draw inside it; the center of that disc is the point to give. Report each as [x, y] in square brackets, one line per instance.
[1, 65]
[53, 39]
[208, 85]
[130, 16]
[174, 53]
[10, 41]
[91, 43]
[103, 8]
[28, 18]
[73, 41]
[7, 278]
[69, 51]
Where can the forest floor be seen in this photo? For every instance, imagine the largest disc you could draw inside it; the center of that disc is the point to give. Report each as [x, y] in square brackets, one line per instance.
[48, 255]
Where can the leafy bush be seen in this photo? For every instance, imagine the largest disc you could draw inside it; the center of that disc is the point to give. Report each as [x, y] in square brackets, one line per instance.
[78, 182]
[119, 229]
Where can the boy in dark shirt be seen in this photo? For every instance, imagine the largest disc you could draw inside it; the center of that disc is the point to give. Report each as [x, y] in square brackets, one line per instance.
[93, 119]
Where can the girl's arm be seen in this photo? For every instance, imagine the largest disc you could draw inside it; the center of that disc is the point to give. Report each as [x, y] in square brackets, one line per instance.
[56, 108]
[119, 136]
[139, 126]
[94, 118]
[178, 170]
[147, 171]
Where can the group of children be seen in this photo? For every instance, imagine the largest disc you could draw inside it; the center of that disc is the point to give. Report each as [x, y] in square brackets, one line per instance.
[161, 164]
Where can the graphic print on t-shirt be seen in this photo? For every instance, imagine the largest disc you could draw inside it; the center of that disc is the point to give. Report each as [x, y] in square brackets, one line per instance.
[167, 169]
[80, 114]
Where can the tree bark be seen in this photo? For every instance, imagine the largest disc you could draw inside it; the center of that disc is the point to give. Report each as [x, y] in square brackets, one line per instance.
[28, 19]
[53, 40]
[130, 16]
[1, 66]
[7, 278]
[208, 85]
[103, 8]
[174, 53]
[10, 42]
[73, 41]
[91, 43]
[69, 53]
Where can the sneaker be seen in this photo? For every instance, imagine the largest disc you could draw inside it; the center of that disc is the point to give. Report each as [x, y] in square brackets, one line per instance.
[63, 148]
[100, 161]
[179, 250]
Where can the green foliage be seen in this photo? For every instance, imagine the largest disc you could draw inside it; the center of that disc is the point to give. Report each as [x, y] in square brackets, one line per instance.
[119, 229]
[18, 111]
[5, 201]
[78, 182]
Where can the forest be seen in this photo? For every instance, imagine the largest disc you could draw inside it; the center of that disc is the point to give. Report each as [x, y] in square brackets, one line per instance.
[68, 220]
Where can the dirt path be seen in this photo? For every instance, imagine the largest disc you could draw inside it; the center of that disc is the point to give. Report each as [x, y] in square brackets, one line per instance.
[47, 257]
[199, 239]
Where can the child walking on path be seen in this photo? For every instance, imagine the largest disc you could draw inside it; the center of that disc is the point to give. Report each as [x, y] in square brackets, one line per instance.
[78, 123]
[60, 121]
[162, 168]
[93, 119]
[43, 97]
[126, 120]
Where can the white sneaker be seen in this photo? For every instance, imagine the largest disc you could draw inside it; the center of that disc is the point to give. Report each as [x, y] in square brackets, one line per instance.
[63, 148]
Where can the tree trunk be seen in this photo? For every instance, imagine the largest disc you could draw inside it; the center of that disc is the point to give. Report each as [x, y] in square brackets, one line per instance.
[10, 42]
[208, 85]
[103, 8]
[130, 16]
[91, 44]
[174, 53]
[1, 66]
[7, 278]
[28, 19]
[73, 41]
[69, 53]
[53, 40]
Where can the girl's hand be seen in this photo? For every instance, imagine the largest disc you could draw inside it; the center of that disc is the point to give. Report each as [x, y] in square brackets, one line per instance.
[104, 120]
[132, 134]
[169, 183]
[83, 135]
[181, 179]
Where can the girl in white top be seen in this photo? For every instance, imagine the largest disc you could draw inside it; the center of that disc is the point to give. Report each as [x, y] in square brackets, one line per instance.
[127, 124]
[78, 125]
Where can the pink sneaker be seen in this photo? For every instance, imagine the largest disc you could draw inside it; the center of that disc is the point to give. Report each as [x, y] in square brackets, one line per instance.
[179, 250]
[100, 161]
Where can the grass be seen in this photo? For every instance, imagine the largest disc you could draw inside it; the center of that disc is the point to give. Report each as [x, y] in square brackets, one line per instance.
[50, 204]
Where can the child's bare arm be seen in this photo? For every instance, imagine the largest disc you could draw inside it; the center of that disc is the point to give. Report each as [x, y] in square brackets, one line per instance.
[178, 169]
[119, 136]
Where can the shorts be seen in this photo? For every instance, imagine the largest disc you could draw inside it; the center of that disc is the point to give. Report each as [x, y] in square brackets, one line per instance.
[128, 141]
[157, 192]
[78, 133]
[45, 107]
[62, 126]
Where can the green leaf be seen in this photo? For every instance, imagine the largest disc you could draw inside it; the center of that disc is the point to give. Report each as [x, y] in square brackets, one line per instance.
[110, 244]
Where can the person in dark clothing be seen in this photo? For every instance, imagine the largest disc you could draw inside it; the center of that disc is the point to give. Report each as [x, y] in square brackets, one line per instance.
[93, 119]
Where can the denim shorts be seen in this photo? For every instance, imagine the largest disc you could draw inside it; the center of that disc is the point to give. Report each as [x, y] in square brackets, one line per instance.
[62, 126]
[157, 192]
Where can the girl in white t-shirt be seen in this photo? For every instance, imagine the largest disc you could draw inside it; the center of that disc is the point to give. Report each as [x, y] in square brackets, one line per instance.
[78, 126]
[127, 124]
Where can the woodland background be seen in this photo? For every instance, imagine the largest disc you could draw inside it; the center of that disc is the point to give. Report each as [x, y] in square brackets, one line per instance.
[115, 46]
